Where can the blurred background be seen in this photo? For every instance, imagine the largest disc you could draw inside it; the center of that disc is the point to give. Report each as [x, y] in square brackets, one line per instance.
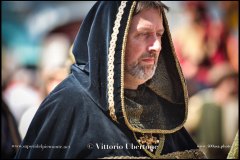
[36, 56]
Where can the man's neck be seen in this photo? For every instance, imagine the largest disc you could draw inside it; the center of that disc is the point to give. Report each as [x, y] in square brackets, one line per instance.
[129, 86]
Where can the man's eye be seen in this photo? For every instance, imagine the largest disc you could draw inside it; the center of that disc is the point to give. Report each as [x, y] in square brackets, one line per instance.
[143, 34]
[159, 35]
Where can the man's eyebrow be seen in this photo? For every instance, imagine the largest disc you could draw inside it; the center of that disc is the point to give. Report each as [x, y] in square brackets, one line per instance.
[149, 29]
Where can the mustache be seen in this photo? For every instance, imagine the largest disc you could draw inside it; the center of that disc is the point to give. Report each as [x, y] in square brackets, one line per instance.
[149, 55]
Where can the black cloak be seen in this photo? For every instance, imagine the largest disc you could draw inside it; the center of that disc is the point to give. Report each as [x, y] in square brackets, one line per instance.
[85, 115]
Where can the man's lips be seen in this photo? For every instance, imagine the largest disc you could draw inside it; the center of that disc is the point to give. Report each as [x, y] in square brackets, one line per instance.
[148, 60]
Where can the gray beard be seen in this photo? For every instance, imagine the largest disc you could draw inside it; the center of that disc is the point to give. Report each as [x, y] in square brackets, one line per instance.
[141, 72]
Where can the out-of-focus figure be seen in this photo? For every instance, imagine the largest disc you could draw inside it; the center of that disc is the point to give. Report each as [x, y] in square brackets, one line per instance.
[202, 43]
[213, 112]
[20, 93]
[53, 69]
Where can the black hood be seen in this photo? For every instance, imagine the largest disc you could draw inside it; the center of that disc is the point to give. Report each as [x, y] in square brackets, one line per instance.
[99, 50]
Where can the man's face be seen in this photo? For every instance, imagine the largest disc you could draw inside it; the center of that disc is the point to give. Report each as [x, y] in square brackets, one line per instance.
[143, 45]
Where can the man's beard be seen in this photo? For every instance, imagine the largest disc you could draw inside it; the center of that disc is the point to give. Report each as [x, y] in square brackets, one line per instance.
[143, 72]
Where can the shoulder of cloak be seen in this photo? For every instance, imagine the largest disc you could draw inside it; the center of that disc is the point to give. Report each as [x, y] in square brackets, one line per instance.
[61, 120]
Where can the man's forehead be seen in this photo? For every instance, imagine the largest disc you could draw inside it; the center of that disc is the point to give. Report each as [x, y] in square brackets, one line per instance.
[149, 25]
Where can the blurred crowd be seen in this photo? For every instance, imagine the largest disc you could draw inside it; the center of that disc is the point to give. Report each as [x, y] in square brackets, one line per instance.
[206, 45]
[25, 87]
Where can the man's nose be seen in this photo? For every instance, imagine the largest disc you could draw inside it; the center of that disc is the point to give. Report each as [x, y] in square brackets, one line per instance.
[155, 44]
